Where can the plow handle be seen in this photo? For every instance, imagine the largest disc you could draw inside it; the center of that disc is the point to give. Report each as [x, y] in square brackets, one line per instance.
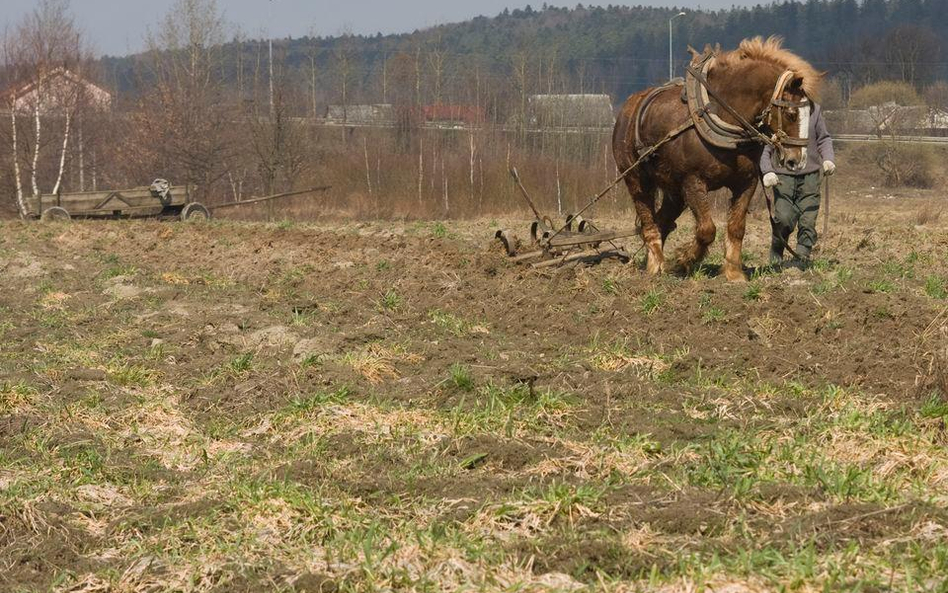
[523, 192]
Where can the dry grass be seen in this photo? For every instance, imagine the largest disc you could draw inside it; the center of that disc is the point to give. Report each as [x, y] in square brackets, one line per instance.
[928, 214]
[376, 363]
[590, 446]
[618, 361]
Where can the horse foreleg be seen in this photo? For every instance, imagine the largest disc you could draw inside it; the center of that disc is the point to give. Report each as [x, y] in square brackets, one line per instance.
[736, 223]
[696, 196]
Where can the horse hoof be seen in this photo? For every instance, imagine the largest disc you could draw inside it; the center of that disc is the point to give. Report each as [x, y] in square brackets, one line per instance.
[683, 269]
[735, 276]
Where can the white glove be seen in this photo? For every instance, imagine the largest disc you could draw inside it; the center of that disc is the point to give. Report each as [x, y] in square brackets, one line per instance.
[771, 179]
[829, 167]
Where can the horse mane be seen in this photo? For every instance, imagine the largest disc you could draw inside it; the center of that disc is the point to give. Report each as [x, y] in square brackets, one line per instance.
[772, 50]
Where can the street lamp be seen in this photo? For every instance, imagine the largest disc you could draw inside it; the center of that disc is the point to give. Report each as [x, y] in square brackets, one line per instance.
[671, 67]
[270, 57]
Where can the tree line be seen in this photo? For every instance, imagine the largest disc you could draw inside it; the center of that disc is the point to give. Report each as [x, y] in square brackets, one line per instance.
[614, 49]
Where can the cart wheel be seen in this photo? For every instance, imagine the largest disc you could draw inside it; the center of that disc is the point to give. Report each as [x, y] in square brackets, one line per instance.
[195, 212]
[55, 214]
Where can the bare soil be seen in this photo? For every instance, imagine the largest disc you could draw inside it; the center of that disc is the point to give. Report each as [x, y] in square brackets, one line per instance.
[338, 406]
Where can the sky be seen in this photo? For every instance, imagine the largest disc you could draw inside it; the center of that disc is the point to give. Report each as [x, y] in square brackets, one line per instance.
[117, 27]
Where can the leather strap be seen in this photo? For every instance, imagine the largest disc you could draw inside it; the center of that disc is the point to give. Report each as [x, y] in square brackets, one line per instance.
[712, 129]
[642, 110]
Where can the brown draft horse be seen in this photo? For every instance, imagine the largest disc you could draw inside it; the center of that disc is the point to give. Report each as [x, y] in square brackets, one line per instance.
[687, 167]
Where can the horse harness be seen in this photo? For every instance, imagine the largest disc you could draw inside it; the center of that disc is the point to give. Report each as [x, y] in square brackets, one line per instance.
[698, 94]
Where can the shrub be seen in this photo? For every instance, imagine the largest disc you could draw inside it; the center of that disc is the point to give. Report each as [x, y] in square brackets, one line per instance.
[899, 165]
[936, 95]
[886, 91]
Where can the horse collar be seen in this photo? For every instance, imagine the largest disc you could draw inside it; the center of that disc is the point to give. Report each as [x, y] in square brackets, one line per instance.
[722, 134]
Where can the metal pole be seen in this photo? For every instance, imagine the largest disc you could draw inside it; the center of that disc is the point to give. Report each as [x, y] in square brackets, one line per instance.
[271, 78]
[671, 66]
[270, 35]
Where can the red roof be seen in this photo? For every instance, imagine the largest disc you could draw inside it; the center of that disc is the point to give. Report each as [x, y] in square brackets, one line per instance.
[468, 114]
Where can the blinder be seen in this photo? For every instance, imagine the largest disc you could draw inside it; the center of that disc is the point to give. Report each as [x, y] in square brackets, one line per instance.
[789, 104]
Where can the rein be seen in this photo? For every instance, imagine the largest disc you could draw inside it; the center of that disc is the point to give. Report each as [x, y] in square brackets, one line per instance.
[642, 157]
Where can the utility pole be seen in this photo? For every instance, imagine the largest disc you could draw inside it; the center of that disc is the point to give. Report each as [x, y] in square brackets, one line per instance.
[270, 36]
[671, 64]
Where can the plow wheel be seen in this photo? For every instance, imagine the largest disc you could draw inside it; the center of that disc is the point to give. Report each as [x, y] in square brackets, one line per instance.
[509, 240]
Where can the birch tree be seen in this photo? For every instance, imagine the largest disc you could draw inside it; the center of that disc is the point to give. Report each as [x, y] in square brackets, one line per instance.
[41, 58]
[10, 66]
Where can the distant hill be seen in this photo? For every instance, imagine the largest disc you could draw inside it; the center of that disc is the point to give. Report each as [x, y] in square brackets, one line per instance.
[615, 50]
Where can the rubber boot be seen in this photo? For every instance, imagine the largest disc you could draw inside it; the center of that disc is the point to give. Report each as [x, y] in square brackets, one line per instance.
[776, 253]
[802, 259]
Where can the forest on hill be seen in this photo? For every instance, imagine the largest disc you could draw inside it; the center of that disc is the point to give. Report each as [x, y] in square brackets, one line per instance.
[614, 49]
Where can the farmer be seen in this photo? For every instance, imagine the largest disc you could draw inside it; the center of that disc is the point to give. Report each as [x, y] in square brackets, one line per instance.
[797, 193]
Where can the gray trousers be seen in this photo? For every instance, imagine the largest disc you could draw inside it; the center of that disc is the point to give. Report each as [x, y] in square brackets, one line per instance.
[796, 205]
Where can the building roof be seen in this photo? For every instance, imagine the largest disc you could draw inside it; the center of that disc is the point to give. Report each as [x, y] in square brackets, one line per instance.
[60, 87]
[380, 113]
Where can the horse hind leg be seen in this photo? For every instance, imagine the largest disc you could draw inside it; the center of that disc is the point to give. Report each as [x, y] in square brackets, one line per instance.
[671, 208]
[643, 197]
[691, 255]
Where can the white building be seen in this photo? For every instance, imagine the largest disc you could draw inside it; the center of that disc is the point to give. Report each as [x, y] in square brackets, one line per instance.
[54, 91]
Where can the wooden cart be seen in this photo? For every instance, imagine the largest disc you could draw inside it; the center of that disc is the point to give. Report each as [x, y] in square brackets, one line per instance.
[159, 200]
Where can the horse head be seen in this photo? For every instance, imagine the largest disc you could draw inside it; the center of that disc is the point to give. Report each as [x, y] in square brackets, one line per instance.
[787, 118]
[777, 86]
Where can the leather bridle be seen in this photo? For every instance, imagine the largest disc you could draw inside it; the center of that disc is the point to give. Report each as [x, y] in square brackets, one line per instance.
[776, 100]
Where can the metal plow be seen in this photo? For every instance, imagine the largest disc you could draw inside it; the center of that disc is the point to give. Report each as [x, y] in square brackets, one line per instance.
[577, 240]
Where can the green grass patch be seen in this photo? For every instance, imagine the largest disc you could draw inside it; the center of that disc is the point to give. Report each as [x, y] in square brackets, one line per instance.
[306, 405]
[240, 364]
[880, 285]
[461, 377]
[455, 324]
[390, 301]
[133, 375]
[754, 292]
[935, 287]
[651, 301]
[610, 285]
[713, 315]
